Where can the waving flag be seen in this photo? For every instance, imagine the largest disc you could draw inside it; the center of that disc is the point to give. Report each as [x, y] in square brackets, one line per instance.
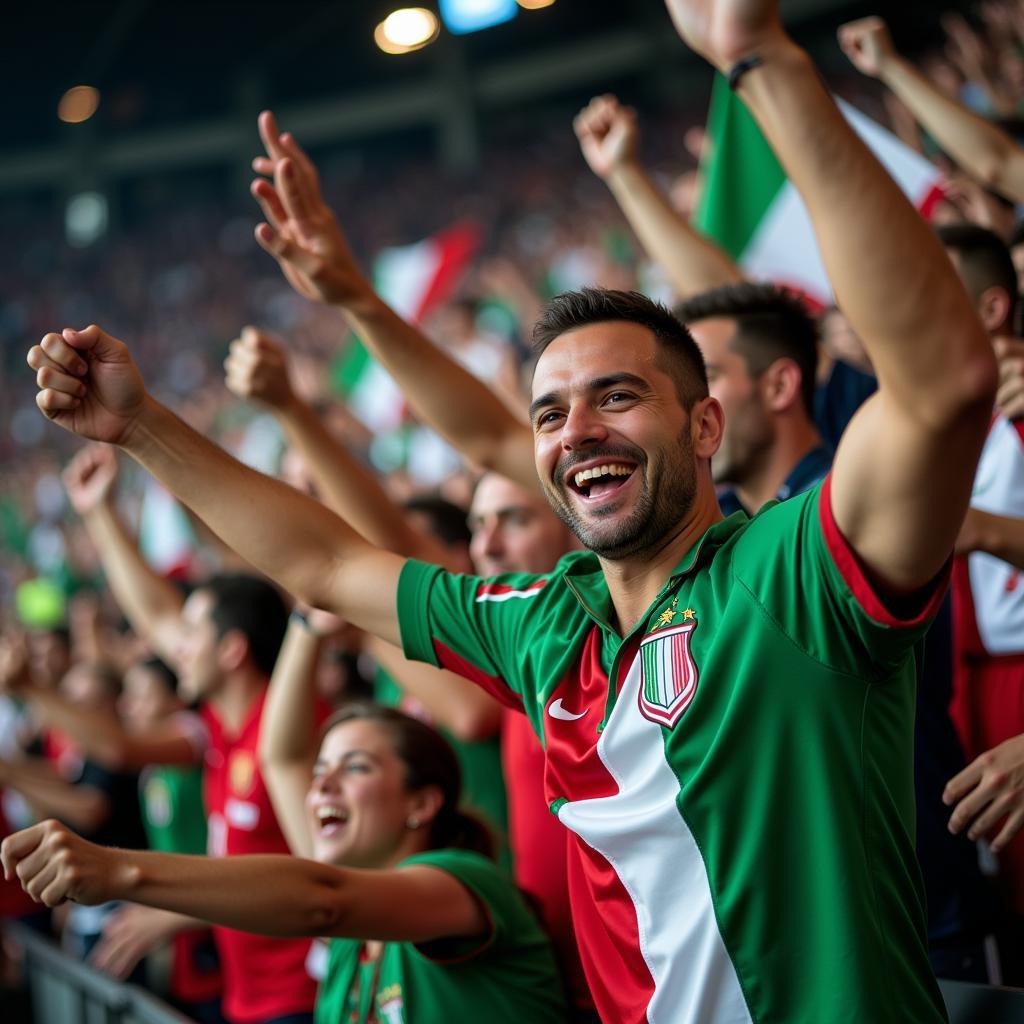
[752, 210]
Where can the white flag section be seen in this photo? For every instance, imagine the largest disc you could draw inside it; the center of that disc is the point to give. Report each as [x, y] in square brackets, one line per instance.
[753, 211]
[166, 539]
[413, 280]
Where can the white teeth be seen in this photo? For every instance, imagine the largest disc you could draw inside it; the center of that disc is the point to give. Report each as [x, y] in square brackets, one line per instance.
[323, 813]
[599, 471]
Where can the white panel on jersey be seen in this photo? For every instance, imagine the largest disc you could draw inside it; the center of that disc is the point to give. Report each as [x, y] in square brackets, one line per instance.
[640, 832]
[997, 588]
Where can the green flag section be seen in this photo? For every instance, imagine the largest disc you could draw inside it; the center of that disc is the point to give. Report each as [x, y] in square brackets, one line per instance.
[751, 209]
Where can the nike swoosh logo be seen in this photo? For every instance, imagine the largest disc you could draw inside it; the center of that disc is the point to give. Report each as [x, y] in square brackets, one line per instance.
[555, 710]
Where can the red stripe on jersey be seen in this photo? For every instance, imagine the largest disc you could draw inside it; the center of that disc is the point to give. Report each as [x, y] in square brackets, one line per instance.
[603, 913]
[1018, 425]
[852, 570]
[504, 588]
[494, 685]
[574, 769]
[605, 921]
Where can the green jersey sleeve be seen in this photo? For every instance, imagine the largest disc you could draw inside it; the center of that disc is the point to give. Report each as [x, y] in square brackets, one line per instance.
[486, 630]
[797, 565]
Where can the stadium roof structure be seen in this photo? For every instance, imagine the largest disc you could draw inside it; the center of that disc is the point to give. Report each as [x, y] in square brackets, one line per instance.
[179, 82]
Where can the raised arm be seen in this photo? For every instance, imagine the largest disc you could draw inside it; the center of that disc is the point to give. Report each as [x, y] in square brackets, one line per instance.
[151, 603]
[271, 895]
[287, 746]
[257, 368]
[83, 807]
[982, 149]
[302, 234]
[90, 386]
[608, 137]
[103, 738]
[903, 473]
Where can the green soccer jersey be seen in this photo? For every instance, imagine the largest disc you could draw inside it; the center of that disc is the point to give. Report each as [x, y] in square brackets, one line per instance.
[483, 784]
[506, 977]
[737, 770]
[172, 808]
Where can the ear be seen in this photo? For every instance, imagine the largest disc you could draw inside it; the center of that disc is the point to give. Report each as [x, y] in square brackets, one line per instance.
[232, 650]
[781, 385]
[707, 424]
[424, 805]
[994, 308]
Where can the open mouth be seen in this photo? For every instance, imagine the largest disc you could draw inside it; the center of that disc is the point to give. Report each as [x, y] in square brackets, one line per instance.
[330, 819]
[602, 481]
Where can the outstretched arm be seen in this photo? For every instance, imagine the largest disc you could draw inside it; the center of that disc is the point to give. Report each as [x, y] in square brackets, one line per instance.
[257, 368]
[91, 387]
[151, 603]
[302, 234]
[984, 150]
[608, 138]
[83, 807]
[271, 895]
[903, 473]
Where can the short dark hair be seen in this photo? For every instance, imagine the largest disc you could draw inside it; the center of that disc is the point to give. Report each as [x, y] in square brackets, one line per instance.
[771, 323]
[447, 521]
[571, 310]
[984, 258]
[429, 761]
[159, 668]
[253, 607]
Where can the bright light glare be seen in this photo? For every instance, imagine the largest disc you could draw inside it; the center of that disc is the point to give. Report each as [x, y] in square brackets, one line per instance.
[78, 104]
[85, 219]
[405, 30]
[534, 5]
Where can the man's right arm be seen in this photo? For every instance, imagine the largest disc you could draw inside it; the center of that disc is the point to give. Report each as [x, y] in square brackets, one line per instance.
[607, 134]
[151, 603]
[302, 234]
[985, 151]
[90, 386]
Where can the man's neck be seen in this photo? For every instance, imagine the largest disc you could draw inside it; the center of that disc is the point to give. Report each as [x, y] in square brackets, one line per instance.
[234, 701]
[634, 583]
[793, 441]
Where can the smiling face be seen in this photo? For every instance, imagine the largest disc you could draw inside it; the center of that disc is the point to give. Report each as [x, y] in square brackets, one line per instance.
[196, 653]
[612, 440]
[358, 805]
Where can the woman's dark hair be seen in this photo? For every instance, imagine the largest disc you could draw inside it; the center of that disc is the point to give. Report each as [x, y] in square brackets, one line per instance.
[429, 761]
[162, 671]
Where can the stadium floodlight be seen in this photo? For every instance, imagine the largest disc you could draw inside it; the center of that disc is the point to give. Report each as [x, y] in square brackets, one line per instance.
[463, 16]
[534, 5]
[78, 104]
[405, 30]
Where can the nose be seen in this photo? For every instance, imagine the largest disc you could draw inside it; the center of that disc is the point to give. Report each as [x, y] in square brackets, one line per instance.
[583, 427]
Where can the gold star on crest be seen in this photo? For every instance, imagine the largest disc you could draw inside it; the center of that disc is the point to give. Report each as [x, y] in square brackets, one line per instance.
[689, 613]
[666, 617]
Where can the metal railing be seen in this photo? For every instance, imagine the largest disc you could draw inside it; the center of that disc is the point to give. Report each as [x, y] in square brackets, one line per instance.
[67, 991]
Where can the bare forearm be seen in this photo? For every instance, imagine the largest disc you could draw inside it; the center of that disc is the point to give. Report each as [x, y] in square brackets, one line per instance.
[233, 891]
[286, 735]
[1000, 536]
[444, 394]
[349, 488]
[151, 603]
[902, 297]
[984, 150]
[693, 262]
[284, 534]
[82, 807]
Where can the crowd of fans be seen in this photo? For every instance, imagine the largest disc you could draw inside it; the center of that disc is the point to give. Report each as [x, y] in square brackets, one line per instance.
[155, 695]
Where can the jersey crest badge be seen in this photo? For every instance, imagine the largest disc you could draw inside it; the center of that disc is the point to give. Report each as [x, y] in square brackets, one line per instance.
[668, 673]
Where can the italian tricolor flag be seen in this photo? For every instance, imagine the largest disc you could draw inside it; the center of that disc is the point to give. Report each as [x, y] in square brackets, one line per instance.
[413, 280]
[750, 208]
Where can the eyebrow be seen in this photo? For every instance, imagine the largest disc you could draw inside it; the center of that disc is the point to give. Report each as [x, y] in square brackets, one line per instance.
[320, 761]
[597, 384]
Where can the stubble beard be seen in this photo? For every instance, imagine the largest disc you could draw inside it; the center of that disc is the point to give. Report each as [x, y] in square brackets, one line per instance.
[663, 502]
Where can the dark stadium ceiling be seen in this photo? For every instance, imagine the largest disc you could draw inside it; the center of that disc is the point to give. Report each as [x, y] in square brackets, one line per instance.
[160, 64]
